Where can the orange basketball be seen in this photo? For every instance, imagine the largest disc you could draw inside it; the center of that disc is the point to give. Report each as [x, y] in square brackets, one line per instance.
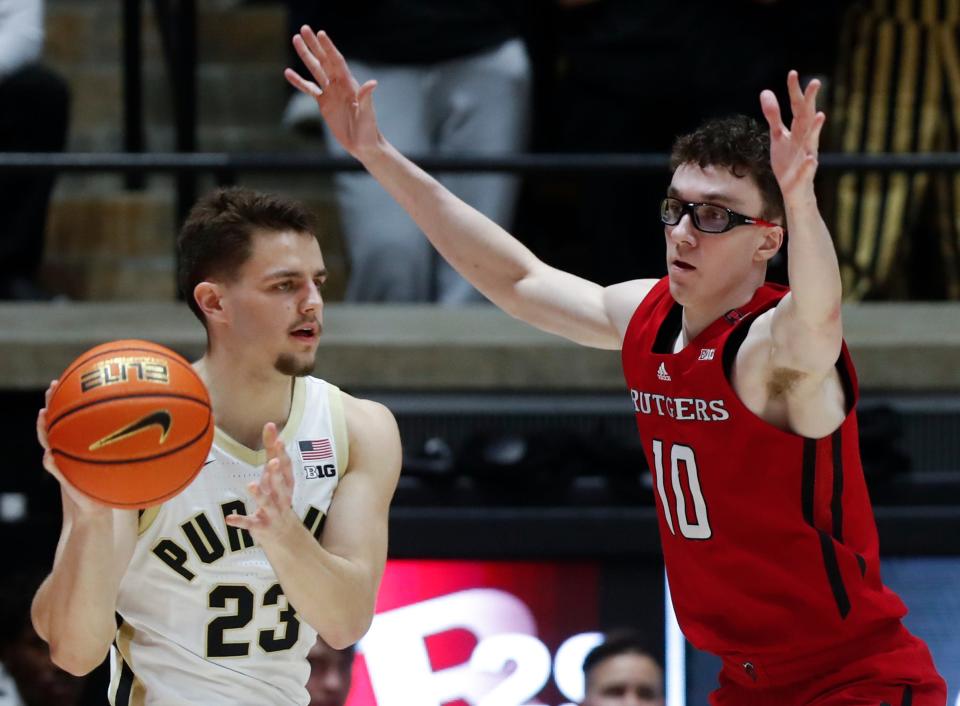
[130, 423]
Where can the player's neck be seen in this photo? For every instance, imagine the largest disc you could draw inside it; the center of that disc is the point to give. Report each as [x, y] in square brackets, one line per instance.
[243, 403]
[698, 315]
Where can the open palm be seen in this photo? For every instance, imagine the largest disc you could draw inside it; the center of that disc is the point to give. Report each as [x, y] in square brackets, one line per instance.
[346, 107]
[793, 152]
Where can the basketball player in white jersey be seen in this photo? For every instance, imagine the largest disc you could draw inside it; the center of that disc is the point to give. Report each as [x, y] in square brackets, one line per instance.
[217, 595]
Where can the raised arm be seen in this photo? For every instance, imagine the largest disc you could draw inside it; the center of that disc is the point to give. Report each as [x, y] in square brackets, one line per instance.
[497, 264]
[74, 608]
[806, 327]
[332, 585]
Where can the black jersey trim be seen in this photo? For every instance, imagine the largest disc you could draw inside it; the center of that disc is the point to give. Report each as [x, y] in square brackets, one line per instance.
[836, 502]
[125, 685]
[670, 328]
[809, 479]
[830, 562]
[833, 573]
[907, 696]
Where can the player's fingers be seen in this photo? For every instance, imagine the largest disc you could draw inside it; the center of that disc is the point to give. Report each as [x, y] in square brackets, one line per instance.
[365, 94]
[268, 479]
[310, 60]
[270, 440]
[276, 489]
[301, 84]
[771, 111]
[50, 464]
[257, 493]
[281, 477]
[795, 92]
[334, 62]
[284, 467]
[810, 96]
[49, 393]
[246, 522]
[813, 139]
[42, 428]
[309, 38]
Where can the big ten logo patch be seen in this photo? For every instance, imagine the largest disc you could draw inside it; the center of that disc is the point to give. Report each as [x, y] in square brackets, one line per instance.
[327, 470]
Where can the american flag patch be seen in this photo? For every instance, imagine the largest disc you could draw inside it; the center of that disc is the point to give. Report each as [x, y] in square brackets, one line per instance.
[315, 450]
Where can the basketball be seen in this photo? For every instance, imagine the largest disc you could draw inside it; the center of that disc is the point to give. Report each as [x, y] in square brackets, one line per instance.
[130, 423]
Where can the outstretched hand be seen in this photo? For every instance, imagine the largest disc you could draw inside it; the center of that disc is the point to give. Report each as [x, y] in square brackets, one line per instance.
[793, 152]
[273, 493]
[346, 107]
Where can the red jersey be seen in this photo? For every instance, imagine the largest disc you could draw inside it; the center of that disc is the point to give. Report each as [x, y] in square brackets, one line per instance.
[768, 537]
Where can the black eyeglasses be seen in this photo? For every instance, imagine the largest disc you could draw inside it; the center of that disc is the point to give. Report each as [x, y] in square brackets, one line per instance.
[707, 217]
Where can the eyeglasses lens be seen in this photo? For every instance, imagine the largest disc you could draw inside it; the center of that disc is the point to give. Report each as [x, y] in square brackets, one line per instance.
[711, 219]
[671, 211]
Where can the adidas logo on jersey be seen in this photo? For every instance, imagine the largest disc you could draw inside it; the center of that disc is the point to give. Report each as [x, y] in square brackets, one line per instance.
[662, 372]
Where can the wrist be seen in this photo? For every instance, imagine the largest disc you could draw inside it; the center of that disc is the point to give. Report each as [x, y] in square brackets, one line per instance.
[92, 517]
[801, 200]
[371, 155]
[282, 530]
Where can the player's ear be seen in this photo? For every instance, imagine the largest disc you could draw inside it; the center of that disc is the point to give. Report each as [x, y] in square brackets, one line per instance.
[209, 297]
[770, 242]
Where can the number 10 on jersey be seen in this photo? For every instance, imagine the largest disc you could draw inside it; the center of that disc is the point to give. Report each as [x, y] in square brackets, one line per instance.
[680, 454]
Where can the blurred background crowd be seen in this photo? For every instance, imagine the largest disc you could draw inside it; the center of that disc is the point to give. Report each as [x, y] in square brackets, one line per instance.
[485, 78]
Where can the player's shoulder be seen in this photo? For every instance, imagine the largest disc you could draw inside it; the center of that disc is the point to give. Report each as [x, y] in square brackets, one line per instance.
[368, 410]
[622, 299]
[368, 421]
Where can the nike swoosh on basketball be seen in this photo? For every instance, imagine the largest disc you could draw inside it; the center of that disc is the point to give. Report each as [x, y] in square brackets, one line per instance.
[160, 418]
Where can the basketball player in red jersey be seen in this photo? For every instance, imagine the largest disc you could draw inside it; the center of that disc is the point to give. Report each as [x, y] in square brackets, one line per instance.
[744, 394]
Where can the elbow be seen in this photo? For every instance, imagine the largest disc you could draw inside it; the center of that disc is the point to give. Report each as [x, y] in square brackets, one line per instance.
[348, 627]
[77, 661]
[342, 636]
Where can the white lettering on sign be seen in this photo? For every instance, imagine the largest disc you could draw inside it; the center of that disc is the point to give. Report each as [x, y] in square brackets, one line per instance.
[509, 666]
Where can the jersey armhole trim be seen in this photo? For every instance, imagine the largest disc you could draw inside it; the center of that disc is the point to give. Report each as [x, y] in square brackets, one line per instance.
[338, 422]
[147, 518]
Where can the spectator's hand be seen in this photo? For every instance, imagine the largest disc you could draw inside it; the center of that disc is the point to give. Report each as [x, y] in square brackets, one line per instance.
[793, 152]
[347, 107]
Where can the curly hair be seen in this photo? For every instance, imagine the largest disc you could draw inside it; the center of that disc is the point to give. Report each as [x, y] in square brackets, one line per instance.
[740, 144]
[216, 239]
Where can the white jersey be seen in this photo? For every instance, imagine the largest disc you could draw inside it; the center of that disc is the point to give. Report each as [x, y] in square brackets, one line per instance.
[202, 617]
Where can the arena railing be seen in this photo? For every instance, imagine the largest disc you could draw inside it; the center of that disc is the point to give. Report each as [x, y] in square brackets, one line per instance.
[225, 166]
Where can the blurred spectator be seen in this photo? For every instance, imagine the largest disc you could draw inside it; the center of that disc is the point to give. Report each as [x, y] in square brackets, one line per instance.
[330, 672]
[25, 658]
[453, 77]
[898, 234]
[34, 104]
[622, 671]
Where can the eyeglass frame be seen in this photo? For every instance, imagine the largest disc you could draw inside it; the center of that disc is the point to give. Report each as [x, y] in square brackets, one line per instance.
[734, 219]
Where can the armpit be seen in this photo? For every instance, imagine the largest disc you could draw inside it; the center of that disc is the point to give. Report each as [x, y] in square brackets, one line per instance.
[782, 381]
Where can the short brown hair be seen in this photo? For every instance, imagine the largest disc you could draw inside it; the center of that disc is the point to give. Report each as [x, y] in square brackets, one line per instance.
[216, 238]
[623, 641]
[740, 144]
